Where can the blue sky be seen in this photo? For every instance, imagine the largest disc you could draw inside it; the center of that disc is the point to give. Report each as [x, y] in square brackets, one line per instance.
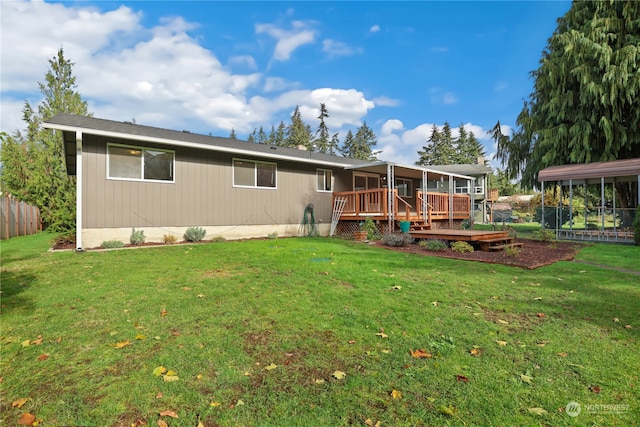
[211, 66]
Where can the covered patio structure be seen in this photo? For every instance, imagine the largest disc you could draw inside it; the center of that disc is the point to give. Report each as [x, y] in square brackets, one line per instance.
[388, 192]
[609, 220]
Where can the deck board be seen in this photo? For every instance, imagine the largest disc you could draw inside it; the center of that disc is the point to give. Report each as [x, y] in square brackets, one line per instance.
[464, 235]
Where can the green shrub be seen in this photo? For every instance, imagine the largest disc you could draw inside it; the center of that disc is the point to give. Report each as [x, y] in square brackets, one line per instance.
[218, 239]
[512, 251]
[194, 234]
[169, 239]
[272, 236]
[111, 244]
[636, 226]
[395, 239]
[547, 236]
[433, 244]
[137, 237]
[370, 227]
[461, 247]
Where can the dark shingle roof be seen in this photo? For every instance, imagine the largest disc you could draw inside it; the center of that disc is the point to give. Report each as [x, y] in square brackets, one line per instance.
[96, 126]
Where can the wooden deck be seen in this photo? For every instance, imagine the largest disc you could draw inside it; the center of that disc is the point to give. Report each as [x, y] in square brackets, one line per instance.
[487, 240]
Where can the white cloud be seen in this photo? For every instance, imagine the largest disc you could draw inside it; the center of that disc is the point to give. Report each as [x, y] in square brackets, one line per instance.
[384, 101]
[335, 48]
[247, 61]
[374, 28]
[287, 40]
[442, 97]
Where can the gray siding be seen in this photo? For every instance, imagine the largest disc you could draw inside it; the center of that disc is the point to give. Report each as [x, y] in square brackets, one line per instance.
[202, 194]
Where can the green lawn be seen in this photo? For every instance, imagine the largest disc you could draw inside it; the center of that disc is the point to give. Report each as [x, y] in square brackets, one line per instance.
[258, 333]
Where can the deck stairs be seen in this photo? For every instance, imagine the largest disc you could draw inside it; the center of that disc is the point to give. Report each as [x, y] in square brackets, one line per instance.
[498, 243]
[419, 225]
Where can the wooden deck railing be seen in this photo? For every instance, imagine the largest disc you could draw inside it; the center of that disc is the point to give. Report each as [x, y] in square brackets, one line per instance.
[375, 203]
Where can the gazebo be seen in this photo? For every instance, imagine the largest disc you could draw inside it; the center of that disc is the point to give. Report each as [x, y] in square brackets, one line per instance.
[605, 222]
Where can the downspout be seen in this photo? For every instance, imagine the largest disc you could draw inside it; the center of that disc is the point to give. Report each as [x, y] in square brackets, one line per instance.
[79, 191]
[425, 204]
[391, 198]
[473, 200]
[451, 191]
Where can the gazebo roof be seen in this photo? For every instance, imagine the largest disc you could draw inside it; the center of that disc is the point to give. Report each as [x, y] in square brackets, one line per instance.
[628, 169]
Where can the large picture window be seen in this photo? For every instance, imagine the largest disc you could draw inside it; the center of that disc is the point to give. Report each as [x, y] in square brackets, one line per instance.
[324, 180]
[136, 163]
[249, 173]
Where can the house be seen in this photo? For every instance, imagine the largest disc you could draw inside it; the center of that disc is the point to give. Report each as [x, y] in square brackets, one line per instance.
[163, 181]
[483, 195]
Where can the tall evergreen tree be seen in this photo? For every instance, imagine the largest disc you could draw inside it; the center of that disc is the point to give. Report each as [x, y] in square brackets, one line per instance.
[262, 137]
[321, 142]
[440, 148]
[584, 104]
[279, 138]
[361, 145]
[233, 135]
[34, 165]
[298, 133]
[468, 147]
[334, 144]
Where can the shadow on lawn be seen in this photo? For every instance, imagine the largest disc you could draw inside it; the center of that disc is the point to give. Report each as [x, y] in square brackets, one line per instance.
[13, 285]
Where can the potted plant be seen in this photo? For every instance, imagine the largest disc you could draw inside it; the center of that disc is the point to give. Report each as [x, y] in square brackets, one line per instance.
[361, 233]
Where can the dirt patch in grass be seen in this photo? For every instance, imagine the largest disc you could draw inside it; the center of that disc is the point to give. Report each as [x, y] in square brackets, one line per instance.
[532, 254]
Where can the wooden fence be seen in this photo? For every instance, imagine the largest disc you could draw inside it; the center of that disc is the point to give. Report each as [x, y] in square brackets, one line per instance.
[18, 218]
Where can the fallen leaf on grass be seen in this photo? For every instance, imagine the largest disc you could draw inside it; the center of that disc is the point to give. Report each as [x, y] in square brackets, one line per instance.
[448, 410]
[628, 326]
[164, 312]
[541, 315]
[200, 295]
[27, 419]
[562, 354]
[159, 371]
[537, 411]
[171, 414]
[26, 343]
[370, 423]
[18, 403]
[141, 337]
[504, 322]
[462, 378]
[615, 319]
[352, 341]
[526, 378]
[475, 351]
[503, 343]
[381, 334]
[595, 389]
[186, 288]
[537, 298]
[170, 378]
[420, 354]
[271, 367]
[396, 394]
[122, 344]
[43, 356]
[339, 375]
[319, 381]
[215, 404]
[162, 423]
[37, 341]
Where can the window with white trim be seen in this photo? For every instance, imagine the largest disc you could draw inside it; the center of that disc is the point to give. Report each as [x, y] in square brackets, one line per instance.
[324, 180]
[404, 187]
[140, 164]
[250, 173]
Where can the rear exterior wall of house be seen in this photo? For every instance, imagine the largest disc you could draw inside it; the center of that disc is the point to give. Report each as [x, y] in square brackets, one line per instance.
[202, 194]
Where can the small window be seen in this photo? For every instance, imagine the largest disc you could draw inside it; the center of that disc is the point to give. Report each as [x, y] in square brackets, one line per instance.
[324, 180]
[404, 187]
[248, 173]
[136, 163]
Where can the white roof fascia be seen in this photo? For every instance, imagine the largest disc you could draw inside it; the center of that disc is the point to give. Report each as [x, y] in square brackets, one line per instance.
[417, 168]
[165, 141]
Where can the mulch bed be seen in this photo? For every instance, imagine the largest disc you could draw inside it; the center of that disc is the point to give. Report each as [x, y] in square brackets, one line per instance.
[533, 253]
